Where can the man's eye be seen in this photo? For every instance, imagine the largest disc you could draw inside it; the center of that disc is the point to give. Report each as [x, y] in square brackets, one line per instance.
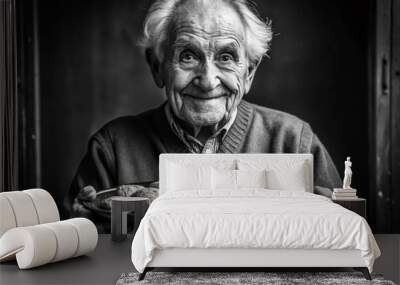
[226, 57]
[187, 57]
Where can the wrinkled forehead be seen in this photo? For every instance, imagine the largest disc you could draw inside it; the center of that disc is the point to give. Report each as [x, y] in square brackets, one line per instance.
[207, 19]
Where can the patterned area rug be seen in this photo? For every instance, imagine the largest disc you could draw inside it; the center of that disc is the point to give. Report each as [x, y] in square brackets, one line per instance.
[230, 278]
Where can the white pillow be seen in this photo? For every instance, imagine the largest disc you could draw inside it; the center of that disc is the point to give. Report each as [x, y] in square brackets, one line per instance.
[181, 178]
[251, 178]
[223, 179]
[226, 179]
[281, 174]
[291, 179]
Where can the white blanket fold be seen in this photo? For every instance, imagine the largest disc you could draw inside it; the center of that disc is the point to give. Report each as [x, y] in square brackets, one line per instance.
[251, 218]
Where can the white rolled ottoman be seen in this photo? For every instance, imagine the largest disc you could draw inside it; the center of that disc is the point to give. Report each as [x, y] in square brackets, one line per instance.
[26, 208]
[31, 231]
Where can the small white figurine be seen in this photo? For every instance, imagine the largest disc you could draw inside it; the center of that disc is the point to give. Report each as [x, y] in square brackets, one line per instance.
[347, 174]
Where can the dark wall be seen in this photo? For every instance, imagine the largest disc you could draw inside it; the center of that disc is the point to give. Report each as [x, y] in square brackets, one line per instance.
[92, 71]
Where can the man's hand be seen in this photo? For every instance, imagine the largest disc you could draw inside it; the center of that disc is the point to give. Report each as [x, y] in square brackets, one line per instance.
[87, 194]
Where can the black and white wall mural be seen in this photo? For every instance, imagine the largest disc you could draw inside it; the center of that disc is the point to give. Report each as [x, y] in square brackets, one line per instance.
[320, 66]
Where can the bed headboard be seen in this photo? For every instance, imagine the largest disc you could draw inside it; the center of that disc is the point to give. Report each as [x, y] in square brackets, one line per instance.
[277, 162]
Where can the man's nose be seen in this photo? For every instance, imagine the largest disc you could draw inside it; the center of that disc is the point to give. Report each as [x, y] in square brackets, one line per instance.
[208, 77]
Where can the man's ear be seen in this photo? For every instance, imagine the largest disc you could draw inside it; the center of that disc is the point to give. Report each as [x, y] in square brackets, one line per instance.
[251, 71]
[155, 66]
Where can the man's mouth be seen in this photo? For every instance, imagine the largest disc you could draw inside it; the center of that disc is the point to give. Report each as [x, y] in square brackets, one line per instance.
[205, 97]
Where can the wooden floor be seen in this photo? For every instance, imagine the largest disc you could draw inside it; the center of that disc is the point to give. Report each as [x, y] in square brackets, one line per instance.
[110, 260]
[389, 262]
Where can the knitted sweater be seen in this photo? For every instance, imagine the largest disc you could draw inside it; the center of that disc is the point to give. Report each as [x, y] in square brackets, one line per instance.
[126, 150]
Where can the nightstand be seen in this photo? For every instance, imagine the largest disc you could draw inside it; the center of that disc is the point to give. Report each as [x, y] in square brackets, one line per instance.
[358, 206]
[120, 207]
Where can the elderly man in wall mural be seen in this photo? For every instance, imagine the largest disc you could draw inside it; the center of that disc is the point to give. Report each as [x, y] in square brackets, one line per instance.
[205, 54]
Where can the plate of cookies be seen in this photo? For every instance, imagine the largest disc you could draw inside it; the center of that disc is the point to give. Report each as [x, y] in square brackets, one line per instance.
[101, 204]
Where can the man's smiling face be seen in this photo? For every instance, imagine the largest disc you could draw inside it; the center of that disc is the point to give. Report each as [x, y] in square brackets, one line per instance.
[205, 68]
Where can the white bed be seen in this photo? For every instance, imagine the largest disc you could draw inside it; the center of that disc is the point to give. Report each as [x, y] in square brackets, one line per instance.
[195, 223]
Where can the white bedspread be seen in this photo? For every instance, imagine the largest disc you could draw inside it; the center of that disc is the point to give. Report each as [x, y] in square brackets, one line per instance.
[250, 219]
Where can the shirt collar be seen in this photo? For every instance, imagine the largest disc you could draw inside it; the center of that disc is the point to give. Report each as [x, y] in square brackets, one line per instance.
[187, 138]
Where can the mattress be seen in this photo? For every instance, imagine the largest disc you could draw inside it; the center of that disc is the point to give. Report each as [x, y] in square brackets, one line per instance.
[251, 219]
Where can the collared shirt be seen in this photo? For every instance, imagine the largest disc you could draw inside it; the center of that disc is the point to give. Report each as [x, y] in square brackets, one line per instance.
[194, 145]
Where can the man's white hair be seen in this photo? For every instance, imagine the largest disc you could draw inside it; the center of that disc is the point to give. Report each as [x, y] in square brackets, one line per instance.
[258, 33]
